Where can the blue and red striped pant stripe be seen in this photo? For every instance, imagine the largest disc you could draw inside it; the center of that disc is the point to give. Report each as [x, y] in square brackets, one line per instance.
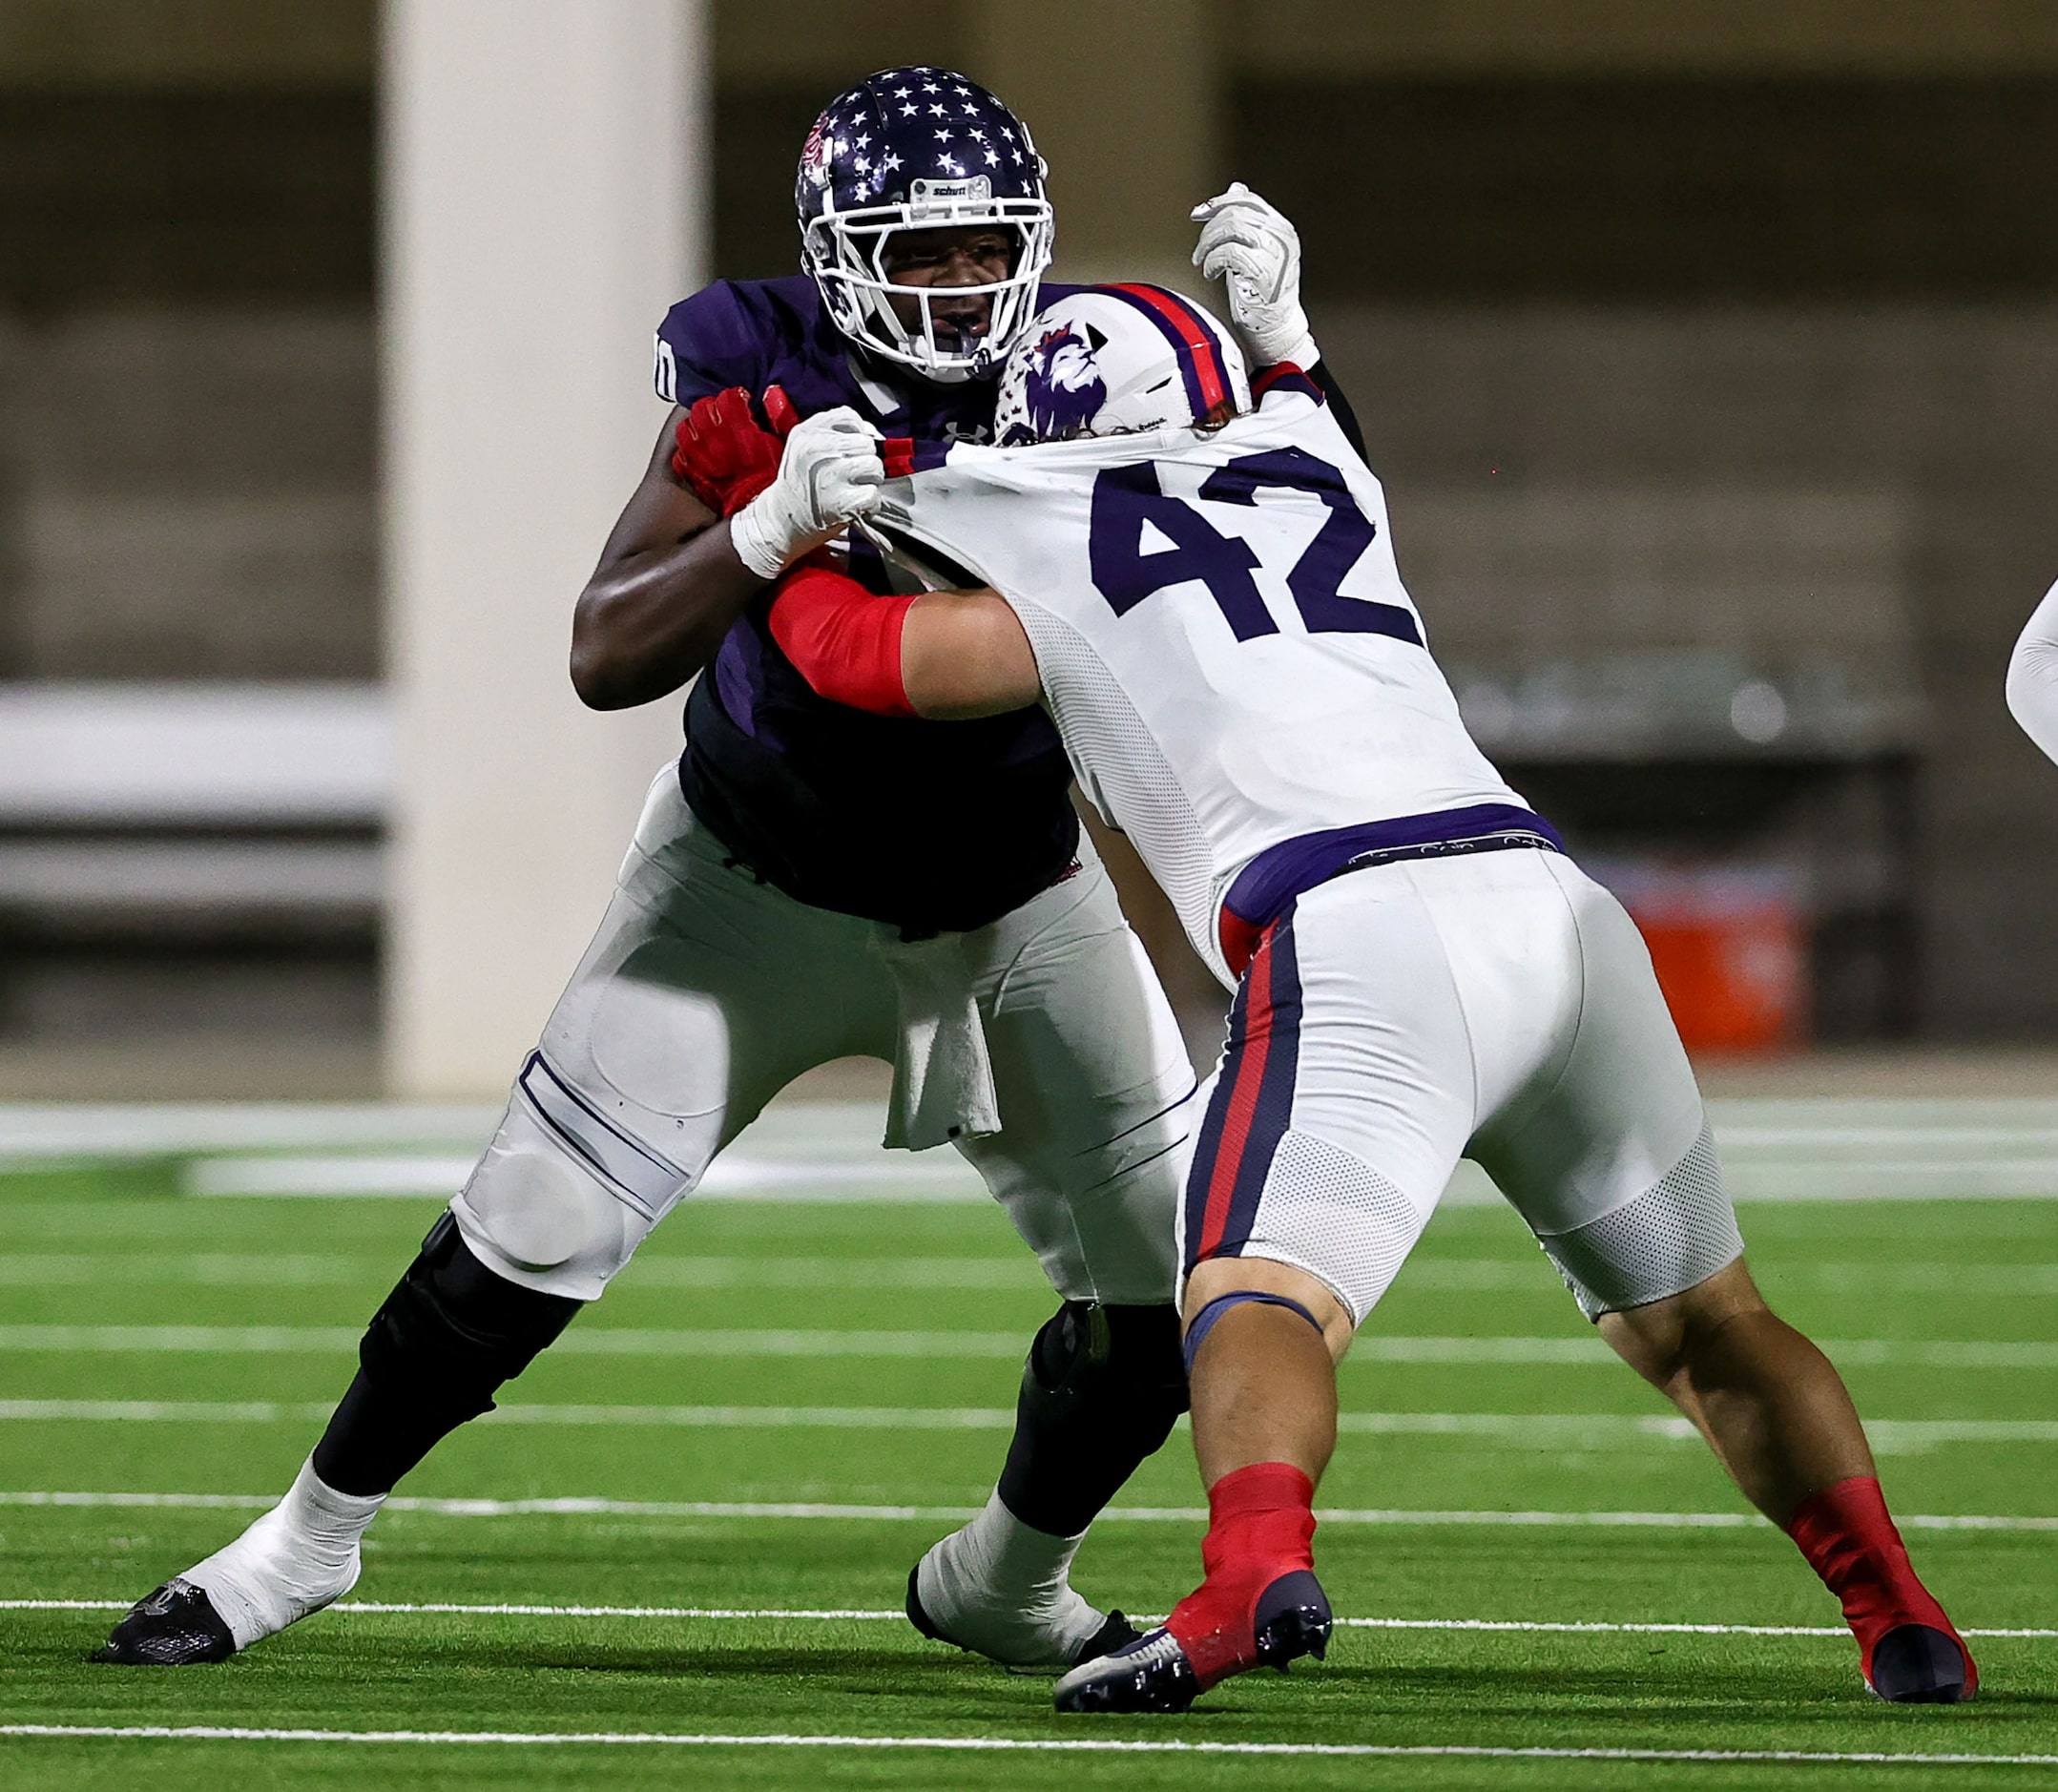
[1253, 1102]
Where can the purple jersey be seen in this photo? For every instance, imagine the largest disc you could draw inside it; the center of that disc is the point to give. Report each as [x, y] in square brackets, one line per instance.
[931, 825]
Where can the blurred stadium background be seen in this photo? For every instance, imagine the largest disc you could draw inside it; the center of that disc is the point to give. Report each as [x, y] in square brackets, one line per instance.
[1709, 351]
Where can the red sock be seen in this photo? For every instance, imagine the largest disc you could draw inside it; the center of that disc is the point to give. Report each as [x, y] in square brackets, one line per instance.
[1260, 1525]
[1849, 1539]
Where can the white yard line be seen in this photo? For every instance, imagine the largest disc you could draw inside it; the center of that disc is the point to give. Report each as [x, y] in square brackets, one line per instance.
[938, 1273]
[750, 1418]
[33, 1132]
[599, 1339]
[586, 1341]
[1776, 1150]
[1486, 1274]
[1481, 1275]
[411, 1177]
[735, 1176]
[881, 1615]
[586, 1505]
[1570, 1430]
[1034, 1745]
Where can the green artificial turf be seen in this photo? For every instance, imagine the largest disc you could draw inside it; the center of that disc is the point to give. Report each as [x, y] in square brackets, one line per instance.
[815, 1288]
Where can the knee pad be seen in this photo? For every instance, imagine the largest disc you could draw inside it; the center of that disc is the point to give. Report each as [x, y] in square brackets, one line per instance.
[1087, 1355]
[452, 1330]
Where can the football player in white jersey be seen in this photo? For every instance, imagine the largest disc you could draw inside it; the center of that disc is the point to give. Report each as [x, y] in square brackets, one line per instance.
[2033, 685]
[1205, 598]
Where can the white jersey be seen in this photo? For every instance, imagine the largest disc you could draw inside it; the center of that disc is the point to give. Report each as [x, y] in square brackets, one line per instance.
[1224, 641]
[2033, 685]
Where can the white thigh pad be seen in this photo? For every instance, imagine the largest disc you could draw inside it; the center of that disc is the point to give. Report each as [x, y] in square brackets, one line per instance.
[563, 1195]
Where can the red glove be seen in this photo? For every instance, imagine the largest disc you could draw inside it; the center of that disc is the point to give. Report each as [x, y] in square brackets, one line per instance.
[723, 453]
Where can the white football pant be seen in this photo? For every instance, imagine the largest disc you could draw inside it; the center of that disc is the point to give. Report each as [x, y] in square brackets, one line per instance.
[1498, 1006]
[706, 992]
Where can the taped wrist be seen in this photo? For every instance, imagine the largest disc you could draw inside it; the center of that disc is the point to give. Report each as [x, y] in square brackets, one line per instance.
[1301, 349]
[845, 640]
[1101, 1390]
[759, 537]
[452, 1330]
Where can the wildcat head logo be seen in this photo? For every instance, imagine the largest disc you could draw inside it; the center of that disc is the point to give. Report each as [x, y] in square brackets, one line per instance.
[815, 170]
[1064, 389]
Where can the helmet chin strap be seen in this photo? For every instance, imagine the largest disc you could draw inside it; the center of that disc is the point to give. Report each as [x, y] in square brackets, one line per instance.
[942, 361]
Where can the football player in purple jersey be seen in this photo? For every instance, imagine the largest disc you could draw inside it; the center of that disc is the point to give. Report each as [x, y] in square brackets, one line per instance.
[810, 882]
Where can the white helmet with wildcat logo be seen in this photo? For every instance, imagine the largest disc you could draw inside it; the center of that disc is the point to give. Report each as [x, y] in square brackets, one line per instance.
[1112, 360]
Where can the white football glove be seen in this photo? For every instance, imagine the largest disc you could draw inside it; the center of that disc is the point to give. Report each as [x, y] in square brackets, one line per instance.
[828, 477]
[1250, 246]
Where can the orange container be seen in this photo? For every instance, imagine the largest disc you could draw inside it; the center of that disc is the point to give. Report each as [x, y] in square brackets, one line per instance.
[1730, 946]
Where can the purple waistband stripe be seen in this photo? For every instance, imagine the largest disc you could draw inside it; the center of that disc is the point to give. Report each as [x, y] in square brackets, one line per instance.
[1279, 873]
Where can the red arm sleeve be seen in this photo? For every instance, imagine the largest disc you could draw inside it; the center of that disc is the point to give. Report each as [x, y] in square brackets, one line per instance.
[843, 639]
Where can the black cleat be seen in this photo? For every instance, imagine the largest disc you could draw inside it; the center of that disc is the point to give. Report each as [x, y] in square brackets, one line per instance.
[1292, 1620]
[1152, 1674]
[176, 1627]
[916, 1616]
[1118, 1633]
[1914, 1664]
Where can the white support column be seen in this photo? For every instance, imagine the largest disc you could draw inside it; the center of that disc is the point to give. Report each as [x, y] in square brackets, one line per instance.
[545, 200]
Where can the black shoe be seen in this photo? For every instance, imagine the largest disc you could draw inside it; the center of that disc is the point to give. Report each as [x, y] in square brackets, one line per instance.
[1914, 1664]
[176, 1627]
[1292, 1620]
[916, 1616]
[1154, 1673]
[1118, 1633]
[1150, 1674]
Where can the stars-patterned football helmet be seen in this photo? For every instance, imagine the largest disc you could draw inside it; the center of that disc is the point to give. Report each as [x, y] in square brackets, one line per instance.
[920, 149]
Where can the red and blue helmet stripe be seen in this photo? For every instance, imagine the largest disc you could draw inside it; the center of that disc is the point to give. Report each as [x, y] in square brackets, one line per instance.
[1193, 338]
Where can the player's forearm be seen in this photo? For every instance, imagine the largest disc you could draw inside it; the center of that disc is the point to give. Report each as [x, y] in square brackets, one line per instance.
[2033, 685]
[964, 654]
[943, 656]
[650, 619]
